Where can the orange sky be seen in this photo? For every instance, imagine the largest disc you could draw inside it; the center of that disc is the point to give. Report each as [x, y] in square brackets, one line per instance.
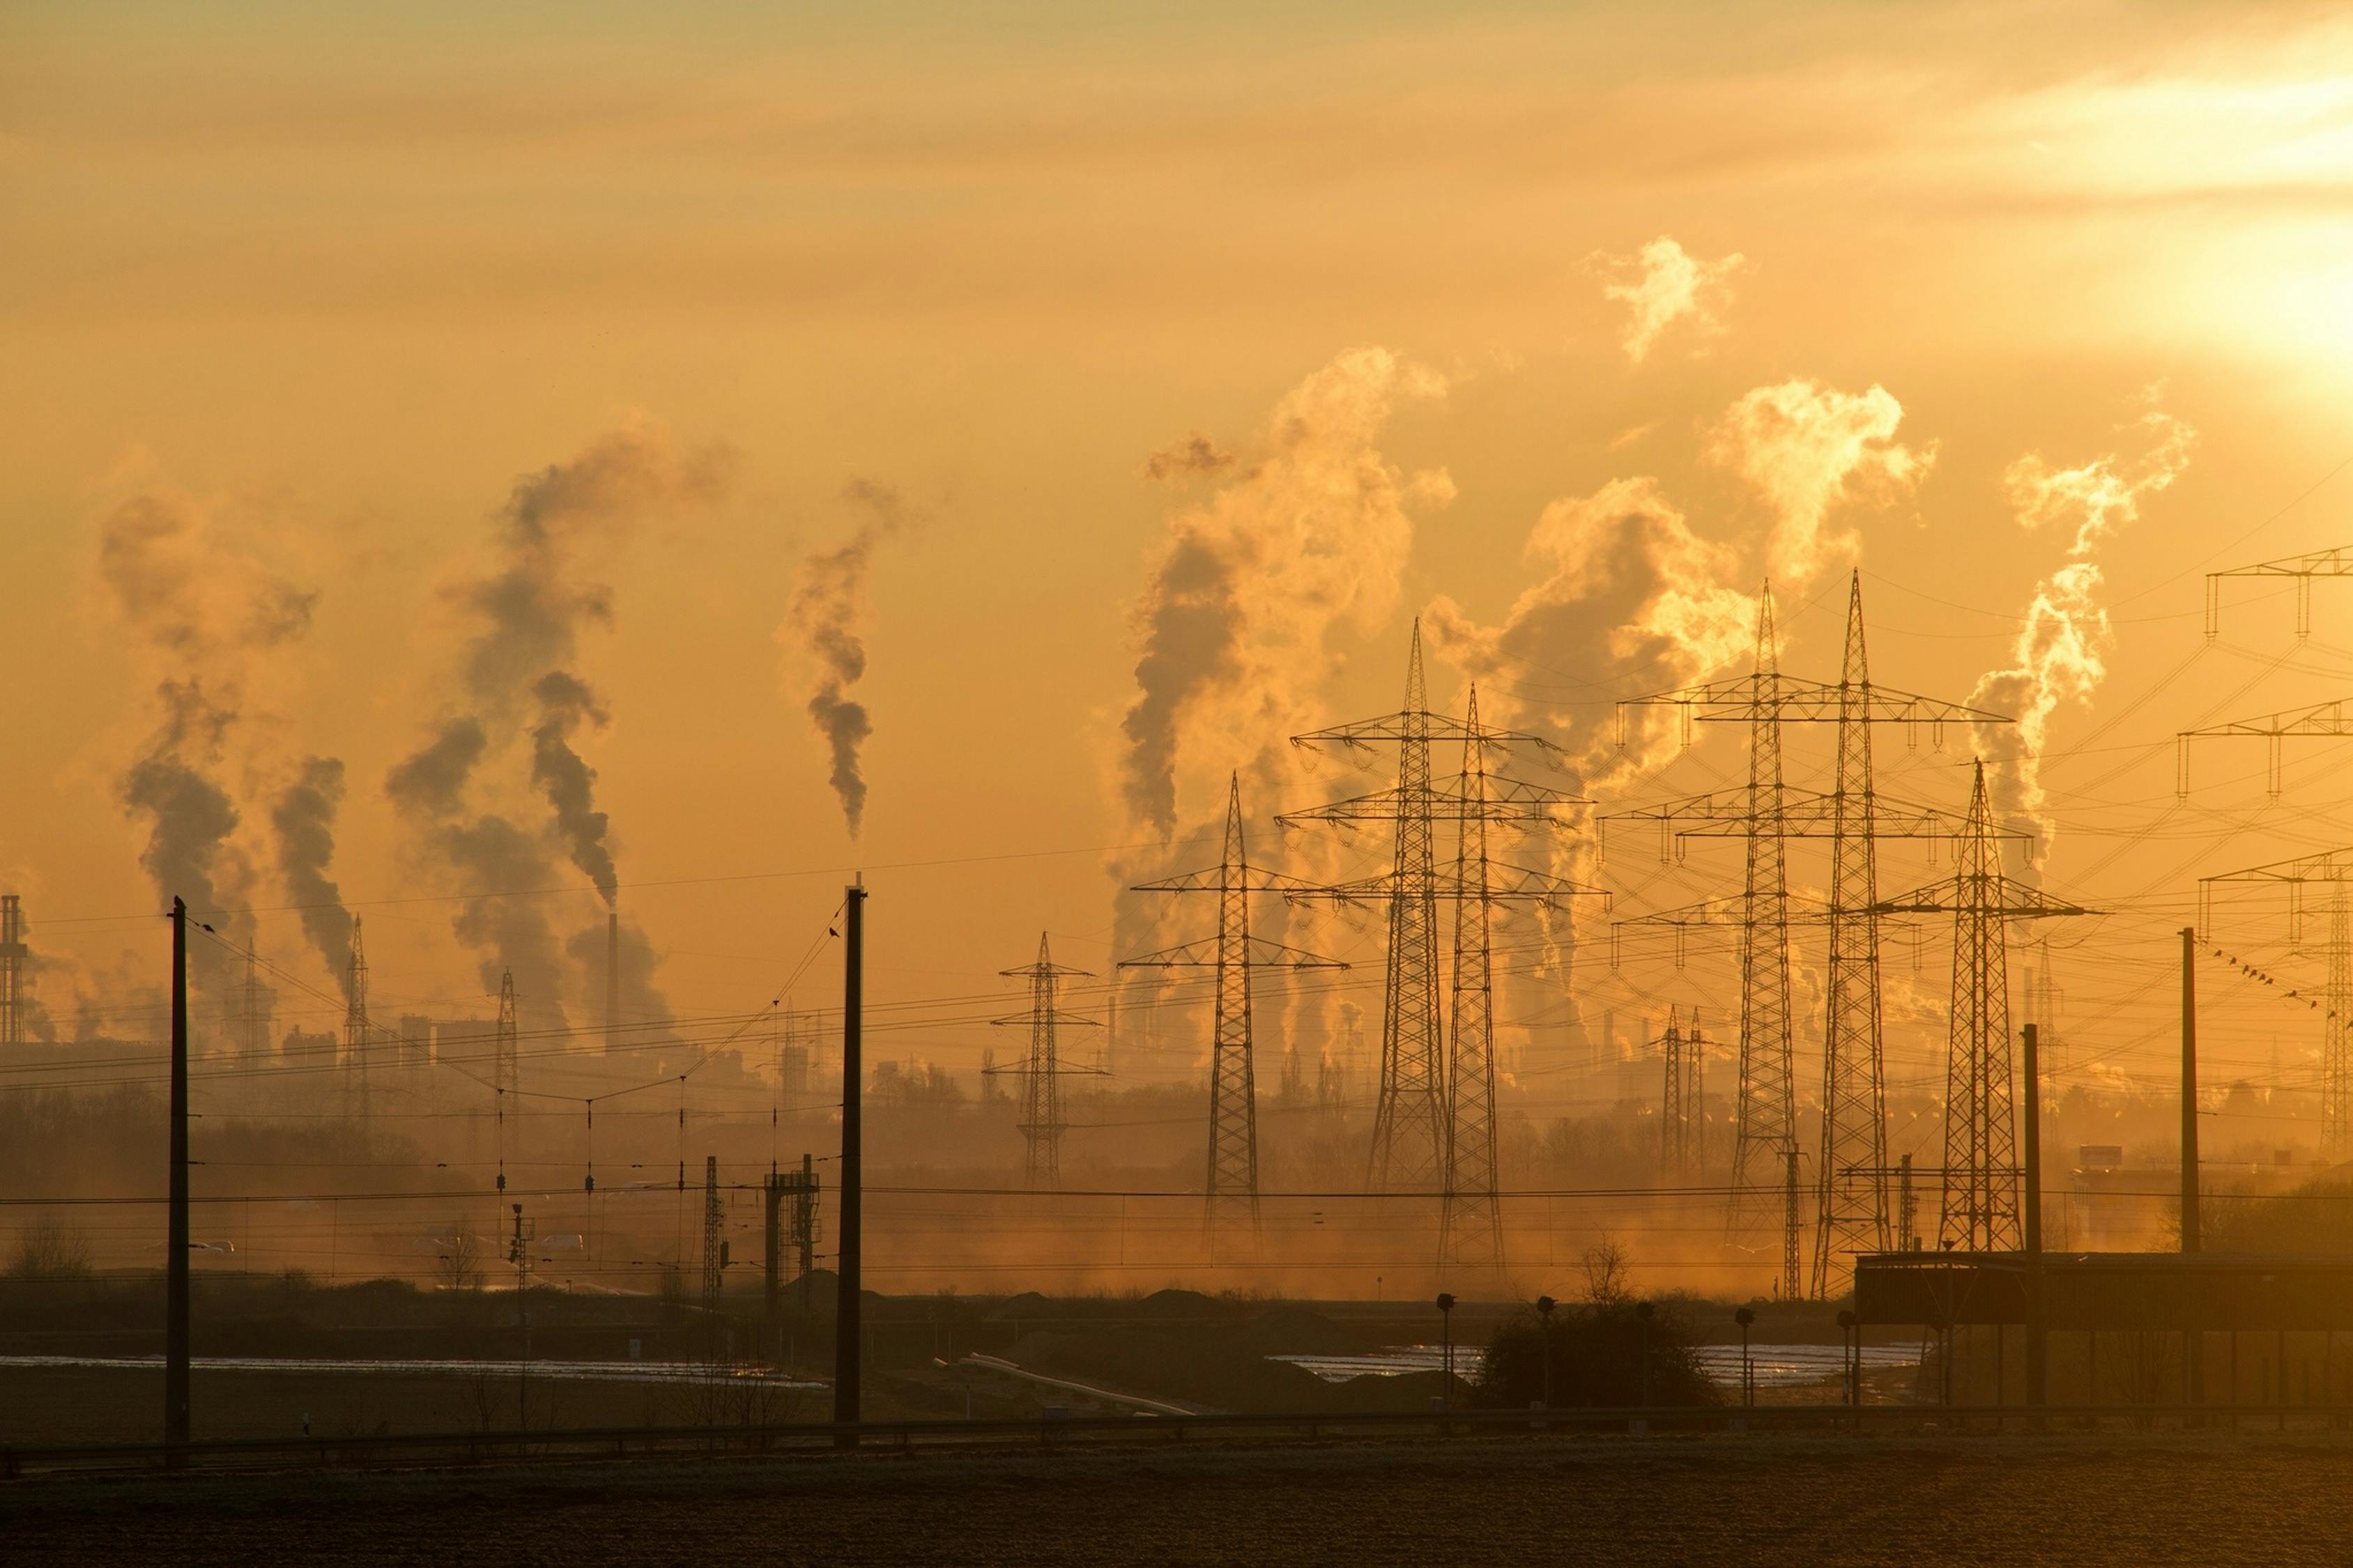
[327, 291]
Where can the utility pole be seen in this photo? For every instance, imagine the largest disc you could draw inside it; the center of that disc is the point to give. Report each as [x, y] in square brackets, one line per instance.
[176, 1238]
[2193, 1338]
[1041, 1094]
[2188, 1088]
[519, 1254]
[2036, 1316]
[846, 1337]
[505, 1077]
[1230, 1201]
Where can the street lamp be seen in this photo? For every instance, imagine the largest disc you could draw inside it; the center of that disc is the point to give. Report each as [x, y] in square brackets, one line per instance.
[1745, 1316]
[1544, 1304]
[1643, 1310]
[1446, 1332]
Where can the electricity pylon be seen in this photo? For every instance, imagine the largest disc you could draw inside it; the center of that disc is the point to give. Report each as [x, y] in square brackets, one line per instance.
[1041, 1095]
[1231, 1191]
[1683, 1125]
[1435, 1120]
[2331, 719]
[2332, 869]
[1851, 1200]
[355, 1024]
[1980, 1211]
[2303, 569]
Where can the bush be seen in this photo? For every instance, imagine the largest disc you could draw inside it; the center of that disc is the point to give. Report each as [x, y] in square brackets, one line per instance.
[49, 1249]
[1596, 1359]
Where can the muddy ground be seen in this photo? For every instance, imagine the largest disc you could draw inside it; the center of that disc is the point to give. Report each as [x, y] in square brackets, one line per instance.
[2094, 1500]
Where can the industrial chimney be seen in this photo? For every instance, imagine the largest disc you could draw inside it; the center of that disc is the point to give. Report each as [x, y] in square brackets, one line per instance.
[613, 981]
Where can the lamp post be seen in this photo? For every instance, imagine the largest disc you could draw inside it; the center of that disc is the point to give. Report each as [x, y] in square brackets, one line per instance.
[1446, 1336]
[1643, 1310]
[1744, 1317]
[1544, 1304]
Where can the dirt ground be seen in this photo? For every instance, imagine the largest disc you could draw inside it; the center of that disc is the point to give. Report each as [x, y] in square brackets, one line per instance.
[2093, 1500]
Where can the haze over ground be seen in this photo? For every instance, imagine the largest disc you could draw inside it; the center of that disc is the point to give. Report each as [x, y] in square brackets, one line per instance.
[1122, 386]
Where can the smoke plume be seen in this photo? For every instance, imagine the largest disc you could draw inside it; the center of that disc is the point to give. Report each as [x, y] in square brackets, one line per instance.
[1805, 448]
[1666, 285]
[825, 612]
[202, 613]
[304, 819]
[2060, 652]
[569, 783]
[1234, 626]
[526, 611]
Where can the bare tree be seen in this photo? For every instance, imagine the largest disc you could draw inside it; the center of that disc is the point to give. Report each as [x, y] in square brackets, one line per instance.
[461, 1263]
[1609, 1272]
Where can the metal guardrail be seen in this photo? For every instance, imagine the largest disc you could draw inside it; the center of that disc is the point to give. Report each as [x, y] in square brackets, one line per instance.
[388, 1449]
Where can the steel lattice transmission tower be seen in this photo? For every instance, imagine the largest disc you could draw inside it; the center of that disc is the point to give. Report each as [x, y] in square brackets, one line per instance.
[1852, 1212]
[12, 970]
[1231, 1186]
[356, 1023]
[1980, 1212]
[1682, 1099]
[1435, 1120]
[1412, 1116]
[1041, 1093]
[2331, 868]
[2303, 569]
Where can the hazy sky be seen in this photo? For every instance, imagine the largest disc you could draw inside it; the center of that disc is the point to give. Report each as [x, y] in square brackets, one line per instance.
[294, 303]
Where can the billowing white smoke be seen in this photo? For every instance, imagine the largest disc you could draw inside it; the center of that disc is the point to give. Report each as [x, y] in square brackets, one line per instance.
[1310, 533]
[825, 612]
[1629, 590]
[1663, 284]
[1306, 531]
[1805, 448]
[2060, 652]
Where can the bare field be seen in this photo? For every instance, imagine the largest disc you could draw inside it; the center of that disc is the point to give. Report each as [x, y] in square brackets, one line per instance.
[2105, 1500]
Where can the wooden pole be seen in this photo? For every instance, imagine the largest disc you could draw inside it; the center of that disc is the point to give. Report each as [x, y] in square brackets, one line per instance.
[175, 1244]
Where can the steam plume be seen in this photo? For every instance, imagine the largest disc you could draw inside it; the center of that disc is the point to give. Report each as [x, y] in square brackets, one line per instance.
[304, 821]
[825, 614]
[1234, 626]
[1668, 285]
[2060, 652]
[1629, 588]
[1805, 448]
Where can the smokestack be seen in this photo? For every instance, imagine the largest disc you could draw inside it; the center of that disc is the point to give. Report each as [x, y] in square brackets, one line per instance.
[612, 980]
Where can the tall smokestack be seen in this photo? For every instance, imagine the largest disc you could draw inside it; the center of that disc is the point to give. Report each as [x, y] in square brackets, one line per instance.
[612, 980]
